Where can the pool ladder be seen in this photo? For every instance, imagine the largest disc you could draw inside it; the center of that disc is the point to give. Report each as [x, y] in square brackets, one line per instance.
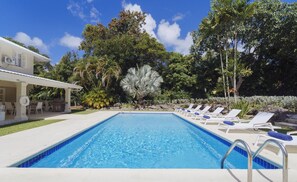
[252, 156]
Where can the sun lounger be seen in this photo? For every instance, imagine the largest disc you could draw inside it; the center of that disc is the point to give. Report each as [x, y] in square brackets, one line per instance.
[259, 121]
[215, 113]
[231, 116]
[286, 139]
[196, 109]
[182, 109]
[196, 114]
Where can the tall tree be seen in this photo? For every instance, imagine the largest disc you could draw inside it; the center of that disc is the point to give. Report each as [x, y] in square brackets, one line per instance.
[123, 41]
[271, 42]
[233, 13]
[178, 75]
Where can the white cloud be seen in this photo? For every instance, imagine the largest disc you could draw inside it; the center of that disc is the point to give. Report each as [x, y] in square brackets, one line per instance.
[131, 7]
[70, 41]
[178, 16]
[85, 10]
[150, 23]
[183, 45]
[34, 41]
[94, 15]
[169, 34]
[76, 10]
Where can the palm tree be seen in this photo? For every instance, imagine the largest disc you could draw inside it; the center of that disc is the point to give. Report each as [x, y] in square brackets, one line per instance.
[83, 73]
[92, 69]
[210, 26]
[242, 11]
[141, 82]
[107, 68]
[232, 14]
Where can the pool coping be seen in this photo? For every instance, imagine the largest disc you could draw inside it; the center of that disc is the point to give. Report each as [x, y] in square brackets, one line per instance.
[13, 159]
[67, 140]
[219, 137]
[28, 161]
[11, 174]
[74, 135]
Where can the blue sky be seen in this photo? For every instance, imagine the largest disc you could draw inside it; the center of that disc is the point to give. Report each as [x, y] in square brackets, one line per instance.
[55, 26]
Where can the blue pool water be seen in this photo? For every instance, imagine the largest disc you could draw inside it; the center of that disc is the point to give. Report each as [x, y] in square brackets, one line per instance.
[143, 141]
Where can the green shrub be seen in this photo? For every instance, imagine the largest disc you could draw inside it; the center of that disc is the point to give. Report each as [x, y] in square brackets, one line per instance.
[258, 102]
[127, 105]
[170, 96]
[97, 98]
[244, 106]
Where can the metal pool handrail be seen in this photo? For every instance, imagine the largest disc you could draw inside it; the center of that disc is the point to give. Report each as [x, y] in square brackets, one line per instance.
[284, 152]
[250, 157]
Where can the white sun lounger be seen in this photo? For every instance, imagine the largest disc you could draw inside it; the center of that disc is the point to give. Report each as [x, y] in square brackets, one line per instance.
[196, 109]
[215, 113]
[231, 116]
[182, 109]
[204, 110]
[262, 138]
[259, 121]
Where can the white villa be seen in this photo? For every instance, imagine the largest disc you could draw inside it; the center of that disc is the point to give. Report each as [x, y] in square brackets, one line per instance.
[16, 78]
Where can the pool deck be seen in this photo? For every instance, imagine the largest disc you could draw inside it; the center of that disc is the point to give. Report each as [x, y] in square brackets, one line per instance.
[19, 146]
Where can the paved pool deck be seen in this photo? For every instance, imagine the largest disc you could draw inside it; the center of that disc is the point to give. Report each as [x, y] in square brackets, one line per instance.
[19, 146]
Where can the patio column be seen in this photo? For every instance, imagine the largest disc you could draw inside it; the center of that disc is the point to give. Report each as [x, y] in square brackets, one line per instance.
[67, 100]
[21, 90]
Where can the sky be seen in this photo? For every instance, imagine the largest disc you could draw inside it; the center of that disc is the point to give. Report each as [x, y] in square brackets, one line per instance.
[56, 26]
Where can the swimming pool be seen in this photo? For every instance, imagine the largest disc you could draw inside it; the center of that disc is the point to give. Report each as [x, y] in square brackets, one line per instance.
[142, 140]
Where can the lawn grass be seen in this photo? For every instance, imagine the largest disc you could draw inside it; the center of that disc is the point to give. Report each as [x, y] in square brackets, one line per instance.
[83, 111]
[5, 130]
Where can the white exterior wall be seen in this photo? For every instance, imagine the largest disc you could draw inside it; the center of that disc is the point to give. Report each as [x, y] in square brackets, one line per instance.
[11, 51]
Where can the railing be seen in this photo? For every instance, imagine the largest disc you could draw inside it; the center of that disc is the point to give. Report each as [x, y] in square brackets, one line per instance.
[250, 157]
[284, 152]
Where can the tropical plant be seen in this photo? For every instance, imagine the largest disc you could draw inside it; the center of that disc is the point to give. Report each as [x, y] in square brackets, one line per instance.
[107, 69]
[62, 72]
[93, 71]
[97, 98]
[218, 38]
[141, 82]
[244, 106]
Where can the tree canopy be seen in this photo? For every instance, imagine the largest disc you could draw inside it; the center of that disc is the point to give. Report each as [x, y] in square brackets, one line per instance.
[241, 48]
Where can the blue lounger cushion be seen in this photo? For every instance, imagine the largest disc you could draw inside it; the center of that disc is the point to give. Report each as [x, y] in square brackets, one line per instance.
[228, 122]
[196, 113]
[206, 117]
[280, 136]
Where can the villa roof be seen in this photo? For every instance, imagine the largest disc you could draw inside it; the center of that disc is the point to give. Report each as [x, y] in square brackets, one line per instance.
[12, 76]
[38, 57]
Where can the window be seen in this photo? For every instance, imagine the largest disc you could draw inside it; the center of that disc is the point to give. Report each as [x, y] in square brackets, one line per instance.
[18, 61]
[2, 95]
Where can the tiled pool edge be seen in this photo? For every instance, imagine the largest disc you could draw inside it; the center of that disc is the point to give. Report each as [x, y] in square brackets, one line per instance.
[57, 145]
[28, 161]
[259, 159]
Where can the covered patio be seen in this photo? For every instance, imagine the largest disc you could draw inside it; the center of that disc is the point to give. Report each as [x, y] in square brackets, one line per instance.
[15, 88]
